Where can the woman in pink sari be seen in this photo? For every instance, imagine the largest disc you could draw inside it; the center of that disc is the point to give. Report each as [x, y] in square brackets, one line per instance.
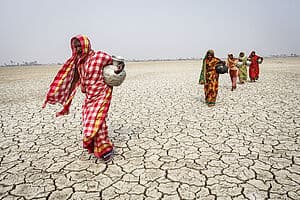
[233, 70]
[254, 66]
[85, 69]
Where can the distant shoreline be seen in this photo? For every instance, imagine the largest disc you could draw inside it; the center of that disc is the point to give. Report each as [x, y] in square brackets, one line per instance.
[141, 60]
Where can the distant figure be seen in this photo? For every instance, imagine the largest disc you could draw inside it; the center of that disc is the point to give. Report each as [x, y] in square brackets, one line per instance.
[211, 78]
[233, 70]
[84, 69]
[254, 66]
[242, 68]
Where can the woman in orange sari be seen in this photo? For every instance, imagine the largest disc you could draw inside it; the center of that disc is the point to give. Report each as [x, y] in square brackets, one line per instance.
[211, 78]
[85, 69]
[233, 70]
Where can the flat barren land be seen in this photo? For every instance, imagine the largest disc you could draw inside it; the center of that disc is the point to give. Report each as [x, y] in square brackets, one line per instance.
[169, 144]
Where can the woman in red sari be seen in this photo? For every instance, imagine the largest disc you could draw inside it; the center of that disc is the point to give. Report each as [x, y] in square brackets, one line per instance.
[211, 78]
[84, 69]
[254, 66]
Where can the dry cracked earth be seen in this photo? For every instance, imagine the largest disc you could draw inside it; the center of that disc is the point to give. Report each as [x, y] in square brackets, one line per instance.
[169, 144]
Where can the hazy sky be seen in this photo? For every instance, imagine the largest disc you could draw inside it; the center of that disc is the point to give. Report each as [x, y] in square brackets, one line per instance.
[135, 29]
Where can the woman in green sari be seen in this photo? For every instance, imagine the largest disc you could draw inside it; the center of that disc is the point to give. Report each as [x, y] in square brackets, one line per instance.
[243, 68]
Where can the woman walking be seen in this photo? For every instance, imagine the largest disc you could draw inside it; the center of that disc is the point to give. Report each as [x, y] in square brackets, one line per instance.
[84, 69]
[211, 78]
[233, 70]
[254, 66]
[242, 68]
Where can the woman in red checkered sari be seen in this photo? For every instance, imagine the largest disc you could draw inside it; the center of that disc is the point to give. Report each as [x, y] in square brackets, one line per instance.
[84, 69]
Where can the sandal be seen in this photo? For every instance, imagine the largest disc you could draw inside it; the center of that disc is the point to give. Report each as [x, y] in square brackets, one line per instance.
[108, 156]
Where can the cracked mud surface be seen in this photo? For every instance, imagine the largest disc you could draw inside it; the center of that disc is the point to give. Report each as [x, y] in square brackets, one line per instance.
[169, 144]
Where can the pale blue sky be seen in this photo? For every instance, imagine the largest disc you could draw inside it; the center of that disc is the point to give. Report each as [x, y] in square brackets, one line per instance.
[136, 29]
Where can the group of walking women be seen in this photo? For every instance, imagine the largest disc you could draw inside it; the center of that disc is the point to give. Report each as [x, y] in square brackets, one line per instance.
[84, 70]
[237, 68]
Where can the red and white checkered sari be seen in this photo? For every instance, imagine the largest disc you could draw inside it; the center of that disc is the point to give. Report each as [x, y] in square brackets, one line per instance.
[98, 94]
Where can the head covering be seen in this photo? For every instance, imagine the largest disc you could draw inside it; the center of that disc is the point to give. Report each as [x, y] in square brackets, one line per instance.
[231, 61]
[202, 79]
[252, 52]
[59, 91]
[241, 54]
[84, 42]
[210, 52]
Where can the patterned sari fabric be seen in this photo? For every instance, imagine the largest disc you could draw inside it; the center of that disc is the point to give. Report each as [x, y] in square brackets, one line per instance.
[96, 104]
[211, 81]
[203, 71]
[89, 66]
[254, 68]
[60, 89]
[243, 70]
[233, 71]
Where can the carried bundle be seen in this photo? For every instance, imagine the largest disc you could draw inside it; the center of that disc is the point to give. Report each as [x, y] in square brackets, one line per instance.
[221, 67]
[239, 64]
[110, 76]
[248, 62]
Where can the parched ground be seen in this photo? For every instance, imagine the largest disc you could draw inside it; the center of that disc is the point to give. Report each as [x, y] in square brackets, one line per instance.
[169, 144]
